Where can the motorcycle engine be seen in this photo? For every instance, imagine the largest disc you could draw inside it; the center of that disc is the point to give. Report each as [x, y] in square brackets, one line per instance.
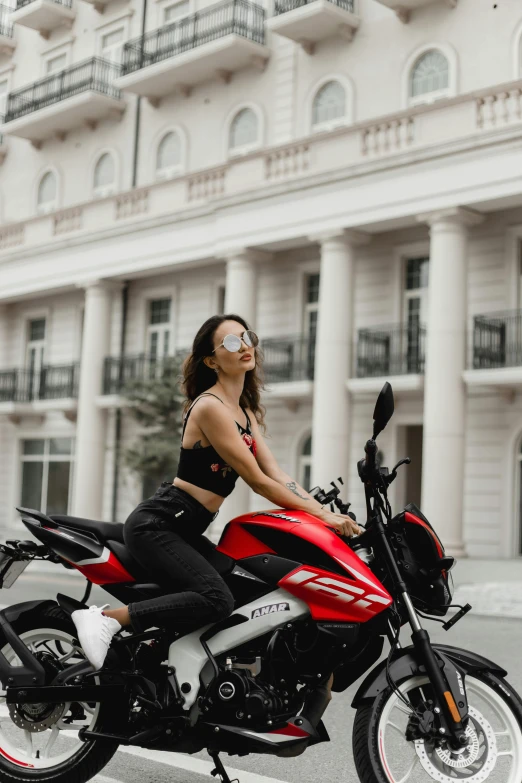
[236, 697]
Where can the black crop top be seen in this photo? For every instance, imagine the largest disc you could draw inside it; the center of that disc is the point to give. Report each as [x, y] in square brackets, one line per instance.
[203, 466]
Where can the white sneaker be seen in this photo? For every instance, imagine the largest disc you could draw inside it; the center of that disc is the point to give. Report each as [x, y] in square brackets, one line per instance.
[95, 632]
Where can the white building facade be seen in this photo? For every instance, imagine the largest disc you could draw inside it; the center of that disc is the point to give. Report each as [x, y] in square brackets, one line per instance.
[347, 175]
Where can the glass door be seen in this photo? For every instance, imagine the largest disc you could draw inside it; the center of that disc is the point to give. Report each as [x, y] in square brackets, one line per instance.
[311, 316]
[415, 312]
[34, 359]
[158, 335]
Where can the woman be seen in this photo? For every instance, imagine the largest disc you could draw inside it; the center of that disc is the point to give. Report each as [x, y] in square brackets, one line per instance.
[221, 440]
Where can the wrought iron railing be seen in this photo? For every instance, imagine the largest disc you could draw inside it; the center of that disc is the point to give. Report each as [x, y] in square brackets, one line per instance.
[288, 359]
[22, 3]
[283, 6]
[118, 372]
[390, 350]
[497, 340]
[49, 383]
[239, 17]
[6, 27]
[93, 74]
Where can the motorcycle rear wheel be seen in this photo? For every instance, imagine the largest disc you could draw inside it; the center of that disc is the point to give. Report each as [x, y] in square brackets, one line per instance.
[51, 751]
[493, 755]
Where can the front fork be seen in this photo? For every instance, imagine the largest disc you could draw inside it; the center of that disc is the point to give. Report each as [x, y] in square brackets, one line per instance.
[446, 685]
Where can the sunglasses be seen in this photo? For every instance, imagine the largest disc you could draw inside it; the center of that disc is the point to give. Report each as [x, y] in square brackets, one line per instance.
[232, 342]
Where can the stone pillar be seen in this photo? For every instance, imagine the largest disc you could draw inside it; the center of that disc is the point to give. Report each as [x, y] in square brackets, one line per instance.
[91, 428]
[444, 390]
[240, 298]
[333, 357]
[240, 290]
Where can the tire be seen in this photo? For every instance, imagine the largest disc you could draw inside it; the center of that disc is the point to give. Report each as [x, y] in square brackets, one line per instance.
[91, 756]
[370, 756]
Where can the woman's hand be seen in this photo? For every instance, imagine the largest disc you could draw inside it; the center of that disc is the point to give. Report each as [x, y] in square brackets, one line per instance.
[342, 524]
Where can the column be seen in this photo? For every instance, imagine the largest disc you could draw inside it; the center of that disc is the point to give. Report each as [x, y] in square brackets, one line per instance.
[91, 428]
[240, 299]
[333, 356]
[240, 290]
[444, 391]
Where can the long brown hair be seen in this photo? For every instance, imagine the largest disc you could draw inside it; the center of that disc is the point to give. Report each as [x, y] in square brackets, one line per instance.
[197, 377]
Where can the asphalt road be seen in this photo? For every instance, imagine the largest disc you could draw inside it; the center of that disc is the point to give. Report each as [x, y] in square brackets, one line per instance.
[499, 639]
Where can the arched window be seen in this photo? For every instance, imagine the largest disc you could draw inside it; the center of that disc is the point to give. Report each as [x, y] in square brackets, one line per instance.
[329, 106]
[47, 199]
[305, 464]
[244, 131]
[430, 77]
[104, 175]
[168, 157]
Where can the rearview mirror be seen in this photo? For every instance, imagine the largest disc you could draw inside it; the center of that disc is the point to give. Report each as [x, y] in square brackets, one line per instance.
[384, 408]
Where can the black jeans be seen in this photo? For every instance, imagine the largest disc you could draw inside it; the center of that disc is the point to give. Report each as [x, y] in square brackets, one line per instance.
[165, 535]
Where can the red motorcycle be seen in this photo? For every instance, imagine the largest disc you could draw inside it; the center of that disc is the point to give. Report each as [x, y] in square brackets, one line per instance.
[309, 604]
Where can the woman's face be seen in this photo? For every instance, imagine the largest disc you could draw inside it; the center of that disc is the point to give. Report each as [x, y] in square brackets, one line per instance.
[232, 363]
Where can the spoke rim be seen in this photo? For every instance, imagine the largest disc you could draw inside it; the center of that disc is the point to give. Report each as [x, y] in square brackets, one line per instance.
[482, 765]
[20, 750]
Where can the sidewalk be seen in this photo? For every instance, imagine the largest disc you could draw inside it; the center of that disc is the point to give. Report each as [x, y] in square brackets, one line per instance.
[492, 587]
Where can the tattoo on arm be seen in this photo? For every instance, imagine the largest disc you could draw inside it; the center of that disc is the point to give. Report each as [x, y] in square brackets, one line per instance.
[197, 445]
[292, 486]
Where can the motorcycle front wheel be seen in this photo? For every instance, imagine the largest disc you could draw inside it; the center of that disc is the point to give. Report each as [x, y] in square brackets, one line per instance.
[493, 753]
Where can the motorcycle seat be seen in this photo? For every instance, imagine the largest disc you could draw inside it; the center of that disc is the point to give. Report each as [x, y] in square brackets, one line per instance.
[104, 531]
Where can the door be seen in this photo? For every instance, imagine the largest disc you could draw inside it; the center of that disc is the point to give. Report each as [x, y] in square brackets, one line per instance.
[112, 46]
[311, 316]
[158, 335]
[34, 358]
[415, 315]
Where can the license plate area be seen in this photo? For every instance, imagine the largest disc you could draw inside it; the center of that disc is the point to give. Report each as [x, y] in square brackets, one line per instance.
[11, 566]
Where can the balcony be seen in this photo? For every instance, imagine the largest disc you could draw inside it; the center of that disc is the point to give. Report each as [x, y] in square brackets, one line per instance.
[390, 351]
[7, 42]
[310, 21]
[215, 42]
[118, 372]
[496, 351]
[83, 94]
[288, 365]
[44, 15]
[29, 392]
[404, 8]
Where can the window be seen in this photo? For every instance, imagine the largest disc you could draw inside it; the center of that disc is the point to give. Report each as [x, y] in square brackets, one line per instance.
[519, 470]
[311, 314]
[56, 63]
[46, 474]
[329, 107]
[158, 332]
[244, 131]
[305, 464]
[415, 311]
[168, 158]
[112, 45]
[104, 175]
[175, 11]
[47, 193]
[429, 77]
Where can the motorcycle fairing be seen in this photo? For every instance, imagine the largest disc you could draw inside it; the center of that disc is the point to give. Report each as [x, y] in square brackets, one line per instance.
[94, 560]
[188, 658]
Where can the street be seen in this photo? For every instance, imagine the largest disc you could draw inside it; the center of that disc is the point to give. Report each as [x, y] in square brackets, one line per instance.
[499, 639]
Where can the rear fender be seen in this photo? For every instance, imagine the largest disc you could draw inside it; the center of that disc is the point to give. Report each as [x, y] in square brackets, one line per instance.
[14, 612]
[405, 665]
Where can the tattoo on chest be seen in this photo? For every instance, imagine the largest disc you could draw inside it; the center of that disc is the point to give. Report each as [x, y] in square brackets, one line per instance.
[197, 445]
[292, 486]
